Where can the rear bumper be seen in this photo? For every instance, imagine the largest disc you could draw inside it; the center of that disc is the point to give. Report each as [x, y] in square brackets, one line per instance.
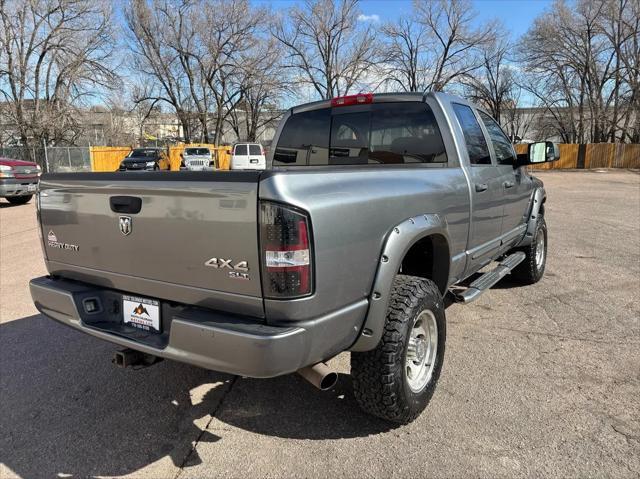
[213, 340]
[17, 186]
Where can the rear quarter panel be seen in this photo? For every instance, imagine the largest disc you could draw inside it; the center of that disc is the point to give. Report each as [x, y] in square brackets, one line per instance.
[352, 211]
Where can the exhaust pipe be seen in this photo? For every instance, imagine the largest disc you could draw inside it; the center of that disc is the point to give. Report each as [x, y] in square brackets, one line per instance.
[130, 358]
[320, 376]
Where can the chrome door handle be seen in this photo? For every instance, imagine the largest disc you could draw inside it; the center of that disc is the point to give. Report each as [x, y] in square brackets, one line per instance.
[509, 184]
[481, 187]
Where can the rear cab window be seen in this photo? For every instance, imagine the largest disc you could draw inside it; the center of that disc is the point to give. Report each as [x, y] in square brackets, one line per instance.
[378, 133]
[241, 150]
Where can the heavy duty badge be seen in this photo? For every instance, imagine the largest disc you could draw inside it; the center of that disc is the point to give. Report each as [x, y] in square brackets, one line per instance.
[52, 242]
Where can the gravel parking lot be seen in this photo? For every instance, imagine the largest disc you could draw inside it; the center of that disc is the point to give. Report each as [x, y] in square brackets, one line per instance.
[537, 381]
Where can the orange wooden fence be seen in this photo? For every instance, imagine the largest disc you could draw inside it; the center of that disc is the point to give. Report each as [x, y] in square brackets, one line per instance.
[108, 158]
[595, 155]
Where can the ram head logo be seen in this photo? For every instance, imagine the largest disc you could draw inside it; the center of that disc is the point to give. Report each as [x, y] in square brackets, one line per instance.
[126, 225]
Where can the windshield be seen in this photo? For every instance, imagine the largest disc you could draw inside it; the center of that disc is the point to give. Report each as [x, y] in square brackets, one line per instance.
[143, 154]
[197, 151]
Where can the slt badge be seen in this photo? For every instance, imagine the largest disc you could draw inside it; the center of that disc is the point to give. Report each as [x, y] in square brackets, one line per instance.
[238, 270]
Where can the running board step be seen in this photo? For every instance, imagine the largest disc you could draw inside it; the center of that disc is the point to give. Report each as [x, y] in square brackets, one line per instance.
[490, 278]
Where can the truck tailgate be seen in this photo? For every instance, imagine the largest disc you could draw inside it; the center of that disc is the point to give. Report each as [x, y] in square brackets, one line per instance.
[92, 231]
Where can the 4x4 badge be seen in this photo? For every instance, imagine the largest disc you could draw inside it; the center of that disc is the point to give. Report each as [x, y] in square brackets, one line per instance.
[126, 225]
[221, 263]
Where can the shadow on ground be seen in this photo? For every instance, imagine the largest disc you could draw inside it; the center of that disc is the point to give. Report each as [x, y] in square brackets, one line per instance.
[6, 204]
[66, 410]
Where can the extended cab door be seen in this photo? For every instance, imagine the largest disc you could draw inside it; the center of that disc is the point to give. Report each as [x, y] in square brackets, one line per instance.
[486, 191]
[516, 183]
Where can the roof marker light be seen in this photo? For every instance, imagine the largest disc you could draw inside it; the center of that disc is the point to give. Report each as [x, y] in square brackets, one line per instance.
[359, 99]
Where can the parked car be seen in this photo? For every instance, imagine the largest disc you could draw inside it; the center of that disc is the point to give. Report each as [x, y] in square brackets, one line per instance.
[248, 156]
[375, 208]
[18, 180]
[145, 159]
[196, 159]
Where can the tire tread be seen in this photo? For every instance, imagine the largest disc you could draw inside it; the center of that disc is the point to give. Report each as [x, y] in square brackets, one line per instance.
[374, 372]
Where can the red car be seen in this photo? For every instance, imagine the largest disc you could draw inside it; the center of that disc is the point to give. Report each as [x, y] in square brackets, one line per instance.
[18, 180]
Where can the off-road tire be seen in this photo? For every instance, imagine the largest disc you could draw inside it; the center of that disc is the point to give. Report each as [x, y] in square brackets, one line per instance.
[19, 200]
[529, 272]
[380, 383]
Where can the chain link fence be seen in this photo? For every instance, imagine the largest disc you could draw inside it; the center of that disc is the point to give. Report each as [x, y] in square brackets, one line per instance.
[53, 159]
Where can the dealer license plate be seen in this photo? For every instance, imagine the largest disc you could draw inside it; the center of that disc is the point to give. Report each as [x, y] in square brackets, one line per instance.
[33, 187]
[141, 313]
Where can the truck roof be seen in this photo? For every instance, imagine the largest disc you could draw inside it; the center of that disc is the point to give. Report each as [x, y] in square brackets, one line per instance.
[379, 98]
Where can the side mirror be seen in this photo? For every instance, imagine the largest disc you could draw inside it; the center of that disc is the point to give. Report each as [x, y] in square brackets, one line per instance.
[541, 152]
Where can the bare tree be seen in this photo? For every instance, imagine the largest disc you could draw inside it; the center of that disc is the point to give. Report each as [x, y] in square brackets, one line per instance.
[191, 56]
[454, 41]
[436, 47]
[621, 26]
[581, 63]
[493, 84]
[405, 64]
[229, 31]
[325, 45]
[157, 58]
[516, 120]
[55, 55]
[263, 85]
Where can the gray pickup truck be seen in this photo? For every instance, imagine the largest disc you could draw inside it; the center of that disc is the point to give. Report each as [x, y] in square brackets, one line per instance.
[372, 209]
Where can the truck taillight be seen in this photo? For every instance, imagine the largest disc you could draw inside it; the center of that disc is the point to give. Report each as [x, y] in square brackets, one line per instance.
[287, 262]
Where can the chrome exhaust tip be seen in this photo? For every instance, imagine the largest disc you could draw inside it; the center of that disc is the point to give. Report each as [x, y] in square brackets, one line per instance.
[320, 375]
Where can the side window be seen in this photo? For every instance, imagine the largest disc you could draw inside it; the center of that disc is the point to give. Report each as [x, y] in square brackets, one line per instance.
[473, 136]
[254, 150]
[304, 134]
[501, 144]
[241, 150]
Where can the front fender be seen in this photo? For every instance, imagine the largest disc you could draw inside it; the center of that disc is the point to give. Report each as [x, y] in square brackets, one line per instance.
[538, 198]
[399, 241]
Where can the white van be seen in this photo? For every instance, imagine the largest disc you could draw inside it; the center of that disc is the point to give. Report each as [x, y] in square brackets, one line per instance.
[248, 156]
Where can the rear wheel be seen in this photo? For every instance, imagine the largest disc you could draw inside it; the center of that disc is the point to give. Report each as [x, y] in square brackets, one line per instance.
[395, 381]
[531, 270]
[19, 200]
